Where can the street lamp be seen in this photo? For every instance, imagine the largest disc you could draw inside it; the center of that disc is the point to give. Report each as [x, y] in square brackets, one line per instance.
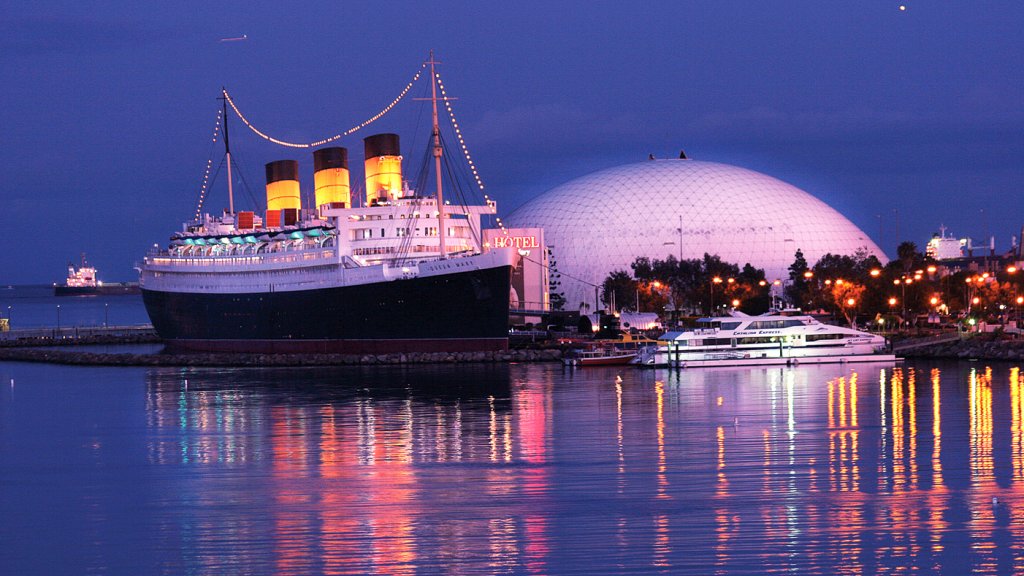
[850, 303]
[106, 309]
[902, 283]
[715, 280]
[58, 318]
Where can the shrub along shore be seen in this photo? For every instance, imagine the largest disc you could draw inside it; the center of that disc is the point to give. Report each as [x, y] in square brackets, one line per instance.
[980, 347]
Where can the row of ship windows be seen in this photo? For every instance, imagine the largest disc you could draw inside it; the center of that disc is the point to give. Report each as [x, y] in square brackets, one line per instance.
[400, 216]
[261, 273]
[368, 233]
[772, 324]
[239, 260]
[756, 340]
[391, 250]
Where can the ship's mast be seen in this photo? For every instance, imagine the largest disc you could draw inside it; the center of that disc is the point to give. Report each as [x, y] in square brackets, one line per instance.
[227, 153]
[437, 157]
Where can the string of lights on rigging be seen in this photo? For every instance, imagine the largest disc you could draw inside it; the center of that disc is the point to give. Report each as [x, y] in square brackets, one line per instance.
[361, 125]
[462, 144]
[448, 106]
[209, 165]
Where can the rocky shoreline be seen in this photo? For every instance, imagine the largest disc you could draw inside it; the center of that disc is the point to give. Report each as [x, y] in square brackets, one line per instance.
[84, 357]
[76, 352]
[979, 347]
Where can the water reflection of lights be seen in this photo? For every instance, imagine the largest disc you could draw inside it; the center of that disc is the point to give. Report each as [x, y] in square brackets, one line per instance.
[659, 390]
[813, 463]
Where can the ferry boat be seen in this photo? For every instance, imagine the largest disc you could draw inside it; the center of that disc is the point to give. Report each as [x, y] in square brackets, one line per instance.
[403, 272]
[786, 337]
[82, 281]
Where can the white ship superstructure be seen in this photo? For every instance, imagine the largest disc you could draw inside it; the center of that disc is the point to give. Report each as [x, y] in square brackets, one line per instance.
[775, 338]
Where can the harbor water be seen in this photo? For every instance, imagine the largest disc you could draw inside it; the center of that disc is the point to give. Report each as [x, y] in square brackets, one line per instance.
[522, 469]
[29, 307]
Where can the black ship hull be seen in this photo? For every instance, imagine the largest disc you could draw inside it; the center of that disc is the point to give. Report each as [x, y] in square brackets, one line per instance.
[465, 311]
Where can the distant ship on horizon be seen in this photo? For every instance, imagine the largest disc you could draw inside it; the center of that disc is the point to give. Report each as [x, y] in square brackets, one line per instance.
[82, 281]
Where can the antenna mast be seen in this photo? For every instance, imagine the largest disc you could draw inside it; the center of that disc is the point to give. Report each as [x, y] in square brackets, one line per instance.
[437, 157]
[227, 150]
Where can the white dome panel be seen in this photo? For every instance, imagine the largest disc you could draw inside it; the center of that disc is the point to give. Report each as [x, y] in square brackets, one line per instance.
[603, 221]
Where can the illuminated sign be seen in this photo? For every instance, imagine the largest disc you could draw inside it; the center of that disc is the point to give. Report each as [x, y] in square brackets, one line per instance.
[516, 242]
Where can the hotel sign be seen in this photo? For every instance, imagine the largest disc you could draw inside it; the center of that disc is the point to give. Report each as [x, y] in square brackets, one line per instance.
[515, 242]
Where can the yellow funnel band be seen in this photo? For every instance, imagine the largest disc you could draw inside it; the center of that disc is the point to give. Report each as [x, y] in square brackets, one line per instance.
[383, 178]
[283, 194]
[332, 186]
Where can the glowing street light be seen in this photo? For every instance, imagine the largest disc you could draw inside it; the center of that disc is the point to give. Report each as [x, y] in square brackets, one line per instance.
[735, 303]
[715, 280]
[875, 272]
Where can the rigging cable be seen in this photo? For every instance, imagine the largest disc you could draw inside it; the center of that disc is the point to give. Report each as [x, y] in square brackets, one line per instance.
[209, 164]
[462, 146]
[330, 139]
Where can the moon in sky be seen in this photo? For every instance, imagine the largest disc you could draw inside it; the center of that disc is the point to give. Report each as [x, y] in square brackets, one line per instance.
[902, 7]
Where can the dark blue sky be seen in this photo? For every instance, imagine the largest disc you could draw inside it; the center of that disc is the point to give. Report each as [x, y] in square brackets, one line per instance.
[914, 116]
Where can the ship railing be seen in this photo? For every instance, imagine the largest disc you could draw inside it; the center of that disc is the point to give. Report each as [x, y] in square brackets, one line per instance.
[279, 257]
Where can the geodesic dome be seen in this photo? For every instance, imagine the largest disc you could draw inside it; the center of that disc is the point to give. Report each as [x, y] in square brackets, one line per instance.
[603, 221]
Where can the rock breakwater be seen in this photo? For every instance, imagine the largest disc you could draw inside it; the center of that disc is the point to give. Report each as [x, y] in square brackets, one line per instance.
[80, 356]
[980, 348]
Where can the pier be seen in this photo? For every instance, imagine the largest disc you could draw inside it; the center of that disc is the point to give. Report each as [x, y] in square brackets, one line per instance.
[80, 335]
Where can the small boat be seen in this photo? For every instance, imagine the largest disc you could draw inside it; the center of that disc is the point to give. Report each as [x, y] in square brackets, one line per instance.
[629, 342]
[602, 356]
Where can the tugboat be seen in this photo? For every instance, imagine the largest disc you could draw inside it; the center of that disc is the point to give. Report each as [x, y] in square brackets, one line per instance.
[81, 281]
[403, 272]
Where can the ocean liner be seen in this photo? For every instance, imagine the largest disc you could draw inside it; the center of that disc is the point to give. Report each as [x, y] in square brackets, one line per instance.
[401, 272]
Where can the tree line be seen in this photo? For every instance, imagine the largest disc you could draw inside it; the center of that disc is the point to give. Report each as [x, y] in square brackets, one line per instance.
[846, 286]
